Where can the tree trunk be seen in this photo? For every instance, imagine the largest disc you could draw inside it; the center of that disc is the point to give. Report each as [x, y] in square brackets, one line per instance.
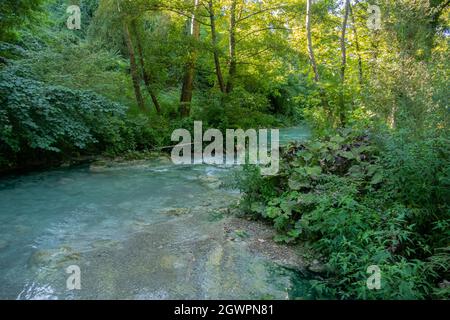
[342, 117]
[233, 63]
[358, 49]
[133, 68]
[312, 58]
[214, 43]
[188, 80]
[145, 74]
[343, 47]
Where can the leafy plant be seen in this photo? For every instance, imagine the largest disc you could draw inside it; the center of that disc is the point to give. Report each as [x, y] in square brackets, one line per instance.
[354, 200]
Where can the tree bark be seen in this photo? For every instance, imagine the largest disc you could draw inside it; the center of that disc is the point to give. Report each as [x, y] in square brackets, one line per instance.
[145, 74]
[233, 62]
[133, 68]
[343, 46]
[215, 49]
[188, 80]
[342, 117]
[312, 58]
[358, 48]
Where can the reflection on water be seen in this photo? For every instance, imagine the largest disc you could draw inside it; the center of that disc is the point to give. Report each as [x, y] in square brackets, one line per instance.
[144, 230]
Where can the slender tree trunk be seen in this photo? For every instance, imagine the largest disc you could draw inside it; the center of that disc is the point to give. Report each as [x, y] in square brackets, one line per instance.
[233, 63]
[343, 46]
[312, 58]
[376, 45]
[214, 43]
[358, 48]
[145, 74]
[188, 80]
[133, 68]
[342, 117]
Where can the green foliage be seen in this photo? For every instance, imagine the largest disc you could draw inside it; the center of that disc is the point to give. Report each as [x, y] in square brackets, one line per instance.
[240, 109]
[16, 13]
[89, 68]
[41, 121]
[362, 203]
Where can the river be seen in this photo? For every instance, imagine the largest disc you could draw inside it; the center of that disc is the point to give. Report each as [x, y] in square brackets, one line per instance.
[137, 230]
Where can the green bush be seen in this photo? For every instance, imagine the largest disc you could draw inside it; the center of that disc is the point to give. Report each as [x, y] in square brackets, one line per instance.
[362, 199]
[239, 109]
[40, 121]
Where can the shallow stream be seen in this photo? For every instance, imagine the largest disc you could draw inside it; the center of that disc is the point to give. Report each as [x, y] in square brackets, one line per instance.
[138, 230]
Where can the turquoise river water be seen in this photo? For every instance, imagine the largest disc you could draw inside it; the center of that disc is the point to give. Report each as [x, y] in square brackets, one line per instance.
[137, 230]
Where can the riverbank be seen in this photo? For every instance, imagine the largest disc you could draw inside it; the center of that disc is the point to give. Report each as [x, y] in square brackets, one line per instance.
[56, 163]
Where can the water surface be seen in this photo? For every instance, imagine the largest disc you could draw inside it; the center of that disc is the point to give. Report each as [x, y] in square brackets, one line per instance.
[141, 230]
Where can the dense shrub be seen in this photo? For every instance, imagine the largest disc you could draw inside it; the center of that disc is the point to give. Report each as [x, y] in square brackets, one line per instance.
[360, 200]
[240, 109]
[40, 122]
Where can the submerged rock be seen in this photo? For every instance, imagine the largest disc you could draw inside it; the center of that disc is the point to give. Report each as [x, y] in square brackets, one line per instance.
[3, 244]
[211, 181]
[164, 159]
[104, 243]
[99, 166]
[39, 258]
[53, 258]
[22, 228]
[176, 211]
